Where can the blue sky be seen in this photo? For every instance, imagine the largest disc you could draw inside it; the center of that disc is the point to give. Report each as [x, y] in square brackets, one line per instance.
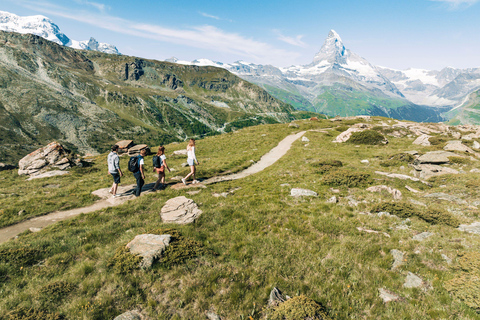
[429, 34]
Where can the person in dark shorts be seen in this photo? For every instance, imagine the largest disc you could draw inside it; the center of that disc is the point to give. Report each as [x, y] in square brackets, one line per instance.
[140, 174]
[114, 169]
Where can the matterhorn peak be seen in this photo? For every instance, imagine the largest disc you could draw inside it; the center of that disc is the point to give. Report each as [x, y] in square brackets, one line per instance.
[332, 50]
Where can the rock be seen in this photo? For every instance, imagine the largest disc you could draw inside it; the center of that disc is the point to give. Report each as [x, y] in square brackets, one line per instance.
[124, 145]
[470, 228]
[397, 175]
[404, 225]
[285, 185]
[332, 200]
[213, 316]
[194, 192]
[411, 189]
[51, 156]
[293, 125]
[426, 171]
[412, 152]
[373, 231]
[446, 197]
[417, 203]
[48, 174]
[185, 164]
[298, 192]
[475, 170]
[276, 297]
[388, 296]
[305, 139]
[413, 281]
[456, 145]
[385, 214]
[397, 195]
[351, 201]
[176, 178]
[422, 236]
[344, 136]
[446, 258]
[423, 140]
[456, 135]
[180, 210]
[129, 315]
[21, 212]
[149, 247]
[398, 258]
[4, 166]
[218, 195]
[335, 190]
[365, 161]
[34, 230]
[181, 152]
[476, 145]
[135, 150]
[435, 157]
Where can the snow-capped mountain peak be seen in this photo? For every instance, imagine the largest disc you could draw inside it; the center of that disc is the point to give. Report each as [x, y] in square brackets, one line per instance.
[46, 28]
[332, 50]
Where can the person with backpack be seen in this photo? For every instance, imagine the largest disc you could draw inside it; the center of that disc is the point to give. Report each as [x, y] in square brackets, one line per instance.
[191, 159]
[135, 165]
[159, 166]
[113, 162]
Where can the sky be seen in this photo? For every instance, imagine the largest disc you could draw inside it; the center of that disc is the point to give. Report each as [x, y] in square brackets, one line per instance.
[399, 34]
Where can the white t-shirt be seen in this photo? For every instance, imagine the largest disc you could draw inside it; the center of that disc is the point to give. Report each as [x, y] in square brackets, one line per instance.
[191, 153]
[162, 158]
[141, 162]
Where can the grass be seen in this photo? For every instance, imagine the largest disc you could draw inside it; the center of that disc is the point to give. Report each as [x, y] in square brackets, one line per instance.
[257, 238]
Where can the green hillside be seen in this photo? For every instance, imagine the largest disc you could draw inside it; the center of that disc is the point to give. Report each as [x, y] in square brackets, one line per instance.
[256, 238]
[468, 113]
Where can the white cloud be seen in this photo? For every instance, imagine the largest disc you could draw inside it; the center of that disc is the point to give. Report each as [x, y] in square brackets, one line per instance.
[297, 41]
[205, 37]
[456, 4]
[210, 16]
[99, 6]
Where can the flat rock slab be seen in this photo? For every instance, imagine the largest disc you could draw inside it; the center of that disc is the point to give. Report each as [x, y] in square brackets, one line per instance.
[345, 135]
[129, 315]
[398, 257]
[397, 195]
[388, 296]
[457, 145]
[48, 174]
[422, 236]
[436, 157]
[422, 140]
[180, 210]
[189, 185]
[426, 171]
[413, 281]
[149, 247]
[298, 192]
[446, 197]
[470, 228]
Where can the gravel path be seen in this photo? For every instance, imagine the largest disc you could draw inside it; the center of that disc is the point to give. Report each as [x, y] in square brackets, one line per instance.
[127, 192]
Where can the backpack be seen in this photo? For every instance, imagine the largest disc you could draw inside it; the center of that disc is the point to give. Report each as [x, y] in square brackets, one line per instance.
[157, 162]
[133, 164]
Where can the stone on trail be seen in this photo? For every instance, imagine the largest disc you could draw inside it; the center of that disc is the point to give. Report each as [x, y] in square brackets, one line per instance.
[149, 247]
[129, 315]
[423, 140]
[422, 236]
[398, 258]
[32, 229]
[397, 195]
[413, 281]
[180, 210]
[298, 192]
[388, 296]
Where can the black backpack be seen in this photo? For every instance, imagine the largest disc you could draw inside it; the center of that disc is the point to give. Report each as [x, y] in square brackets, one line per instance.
[133, 164]
[157, 162]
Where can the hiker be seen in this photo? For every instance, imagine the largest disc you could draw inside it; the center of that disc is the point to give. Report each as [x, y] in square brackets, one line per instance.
[191, 161]
[135, 165]
[113, 162]
[159, 165]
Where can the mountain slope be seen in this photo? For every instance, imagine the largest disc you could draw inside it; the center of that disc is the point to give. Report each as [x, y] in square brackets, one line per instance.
[466, 113]
[89, 99]
[47, 29]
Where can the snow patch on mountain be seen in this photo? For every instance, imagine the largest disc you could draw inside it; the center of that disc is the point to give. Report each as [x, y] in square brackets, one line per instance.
[44, 27]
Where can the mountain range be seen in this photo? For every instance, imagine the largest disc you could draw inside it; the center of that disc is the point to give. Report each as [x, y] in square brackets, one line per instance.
[45, 28]
[340, 82]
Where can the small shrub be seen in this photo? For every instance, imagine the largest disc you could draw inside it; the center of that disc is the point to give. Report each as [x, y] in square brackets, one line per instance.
[400, 209]
[327, 165]
[436, 216]
[470, 261]
[56, 291]
[123, 262]
[20, 257]
[369, 137]
[437, 140]
[24, 313]
[466, 288]
[348, 178]
[342, 128]
[298, 308]
[398, 160]
[459, 160]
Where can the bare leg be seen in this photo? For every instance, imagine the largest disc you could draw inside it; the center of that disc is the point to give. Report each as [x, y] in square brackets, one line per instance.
[192, 173]
[114, 189]
[157, 183]
[162, 180]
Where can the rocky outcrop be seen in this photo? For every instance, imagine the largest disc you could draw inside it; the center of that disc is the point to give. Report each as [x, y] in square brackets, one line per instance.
[426, 171]
[149, 247]
[397, 195]
[180, 210]
[457, 145]
[345, 135]
[298, 192]
[423, 140]
[435, 157]
[129, 315]
[52, 156]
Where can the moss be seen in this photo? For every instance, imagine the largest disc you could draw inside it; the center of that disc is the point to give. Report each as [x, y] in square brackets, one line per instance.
[56, 291]
[400, 209]
[369, 137]
[123, 262]
[437, 216]
[298, 308]
[346, 177]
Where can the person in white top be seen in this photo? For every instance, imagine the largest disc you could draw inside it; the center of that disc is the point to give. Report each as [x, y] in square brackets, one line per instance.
[161, 169]
[191, 161]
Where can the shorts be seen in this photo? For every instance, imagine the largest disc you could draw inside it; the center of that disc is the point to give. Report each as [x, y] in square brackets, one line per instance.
[190, 162]
[116, 177]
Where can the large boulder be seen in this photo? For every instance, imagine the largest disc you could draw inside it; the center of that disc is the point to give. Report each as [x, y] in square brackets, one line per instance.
[135, 150]
[180, 210]
[397, 195]
[129, 315]
[124, 145]
[149, 247]
[345, 135]
[54, 155]
[422, 140]
[426, 171]
[436, 157]
[457, 145]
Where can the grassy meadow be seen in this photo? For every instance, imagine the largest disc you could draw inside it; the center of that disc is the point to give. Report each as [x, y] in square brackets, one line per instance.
[256, 238]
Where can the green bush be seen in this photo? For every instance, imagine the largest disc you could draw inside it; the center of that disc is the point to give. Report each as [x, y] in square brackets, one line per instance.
[21, 257]
[123, 262]
[56, 291]
[342, 128]
[398, 160]
[298, 308]
[369, 137]
[400, 209]
[24, 313]
[459, 160]
[470, 261]
[327, 165]
[436, 216]
[346, 177]
[466, 285]
[436, 140]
